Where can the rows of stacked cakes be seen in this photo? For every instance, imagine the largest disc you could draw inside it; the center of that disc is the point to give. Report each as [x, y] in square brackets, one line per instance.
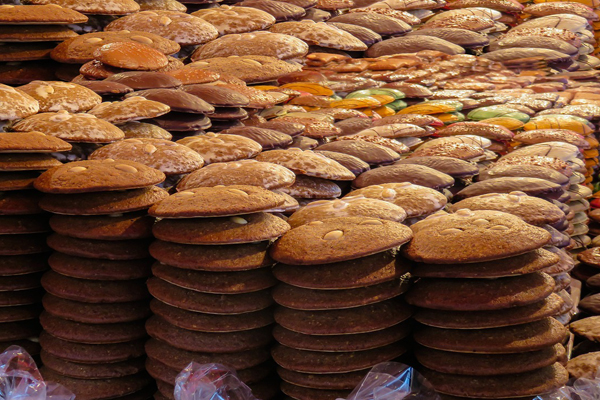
[572, 149]
[560, 34]
[549, 166]
[97, 300]
[211, 283]
[586, 271]
[539, 176]
[179, 326]
[28, 35]
[312, 172]
[584, 357]
[24, 227]
[557, 33]
[340, 310]
[99, 14]
[286, 40]
[62, 113]
[485, 305]
[541, 213]
[234, 281]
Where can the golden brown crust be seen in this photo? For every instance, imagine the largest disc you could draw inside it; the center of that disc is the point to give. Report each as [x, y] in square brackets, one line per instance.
[355, 273]
[163, 155]
[369, 318]
[31, 142]
[92, 333]
[92, 371]
[208, 302]
[481, 294]
[264, 43]
[342, 343]
[109, 227]
[216, 202]
[267, 138]
[584, 366]
[249, 68]
[416, 200]
[80, 49]
[179, 359]
[215, 148]
[55, 96]
[226, 230]
[80, 127]
[548, 307]
[92, 353]
[590, 257]
[27, 162]
[533, 210]
[212, 258]
[319, 362]
[49, 14]
[208, 342]
[97, 176]
[441, 239]
[307, 187]
[338, 239]
[417, 174]
[196, 321]
[168, 5]
[102, 203]
[320, 34]
[131, 109]
[310, 299]
[249, 172]
[587, 328]
[229, 20]
[512, 339]
[134, 130]
[16, 104]
[307, 163]
[35, 33]
[517, 385]
[182, 28]
[355, 206]
[113, 387]
[131, 55]
[489, 364]
[107, 7]
[216, 282]
[371, 153]
[552, 135]
[89, 291]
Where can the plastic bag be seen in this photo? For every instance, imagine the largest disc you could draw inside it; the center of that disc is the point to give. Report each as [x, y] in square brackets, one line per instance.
[393, 381]
[21, 379]
[578, 389]
[210, 382]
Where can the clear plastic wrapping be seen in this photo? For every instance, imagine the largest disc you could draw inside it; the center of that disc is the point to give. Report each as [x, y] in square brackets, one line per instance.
[210, 382]
[20, 379]
[393, 381]
[579, 389]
